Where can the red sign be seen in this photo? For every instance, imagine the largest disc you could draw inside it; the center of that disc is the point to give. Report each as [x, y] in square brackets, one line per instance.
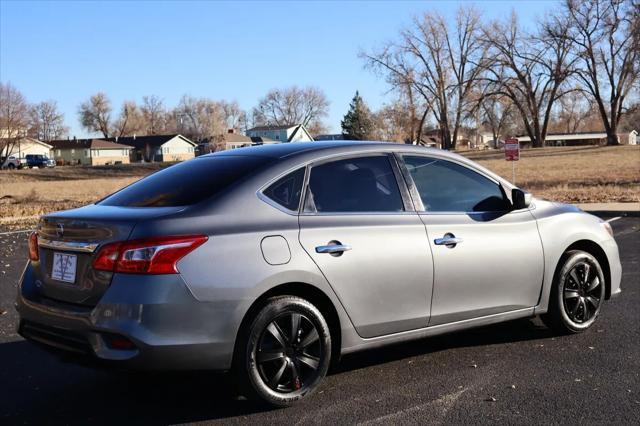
[511, 150]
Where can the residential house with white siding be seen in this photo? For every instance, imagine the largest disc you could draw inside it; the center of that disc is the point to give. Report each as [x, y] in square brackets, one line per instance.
[279, 134]
[158, 148]
[89, 152]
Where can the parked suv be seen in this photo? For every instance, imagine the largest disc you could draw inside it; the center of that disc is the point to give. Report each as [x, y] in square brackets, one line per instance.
[39, 161]
[13, 162]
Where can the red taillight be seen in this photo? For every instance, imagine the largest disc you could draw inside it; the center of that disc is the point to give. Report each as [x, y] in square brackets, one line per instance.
[33, 246]
[157, 255]
[107, 257]
[119, 342]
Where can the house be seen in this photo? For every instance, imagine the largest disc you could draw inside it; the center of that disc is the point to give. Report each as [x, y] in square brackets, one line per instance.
[158, 148]
[582, 138]
[432, 138]
[262, 140]
[90, 152]
[329, 137]
[230, 140]
[485, 140]
[24, 146]
[630, 138]
[233, 140]
[276, 134]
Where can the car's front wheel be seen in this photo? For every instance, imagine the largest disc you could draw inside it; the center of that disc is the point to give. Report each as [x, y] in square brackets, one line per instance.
[577, 294]
[284, 353]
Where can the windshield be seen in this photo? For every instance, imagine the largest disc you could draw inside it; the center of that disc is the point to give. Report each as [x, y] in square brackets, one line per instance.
[186, 183]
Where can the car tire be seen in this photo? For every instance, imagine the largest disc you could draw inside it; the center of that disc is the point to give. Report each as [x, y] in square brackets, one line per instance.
[283, 353]
[577, 293]
[11, 166]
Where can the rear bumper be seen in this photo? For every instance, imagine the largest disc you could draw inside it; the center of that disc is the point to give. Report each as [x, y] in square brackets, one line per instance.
[170, 329]
[613, 256]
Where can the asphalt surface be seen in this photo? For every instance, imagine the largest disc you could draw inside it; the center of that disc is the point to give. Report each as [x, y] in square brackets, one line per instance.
[516, 373]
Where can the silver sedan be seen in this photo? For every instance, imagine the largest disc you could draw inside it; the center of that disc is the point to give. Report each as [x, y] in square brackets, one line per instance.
[274, 261]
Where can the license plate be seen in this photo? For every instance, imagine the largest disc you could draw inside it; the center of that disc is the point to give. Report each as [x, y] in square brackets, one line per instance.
[64, 267]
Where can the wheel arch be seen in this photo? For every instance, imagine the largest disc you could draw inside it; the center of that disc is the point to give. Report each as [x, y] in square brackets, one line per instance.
[310, 293]
[596, 251]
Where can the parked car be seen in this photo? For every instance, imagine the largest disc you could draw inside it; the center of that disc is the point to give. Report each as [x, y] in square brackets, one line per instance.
[40, 161]
[273, 261]
[13, 162]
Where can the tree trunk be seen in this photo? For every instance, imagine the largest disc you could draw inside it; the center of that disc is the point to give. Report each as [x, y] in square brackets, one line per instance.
[538, 142]
[420, 126]
[612, 129]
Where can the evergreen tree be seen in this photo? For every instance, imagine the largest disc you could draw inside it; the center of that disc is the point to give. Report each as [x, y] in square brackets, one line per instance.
[357, 123]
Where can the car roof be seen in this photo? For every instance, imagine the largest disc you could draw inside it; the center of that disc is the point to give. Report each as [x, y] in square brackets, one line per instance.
[305, 151]
[290, 149]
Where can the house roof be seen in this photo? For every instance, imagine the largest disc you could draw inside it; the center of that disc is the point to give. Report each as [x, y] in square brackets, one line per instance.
[152, 140]
[295, 132]
[236, 137]
[28, 140]
[261, 139]
[87, 144]
[265, 128]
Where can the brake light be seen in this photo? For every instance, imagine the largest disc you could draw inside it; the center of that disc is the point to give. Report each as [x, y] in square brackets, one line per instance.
[158, 255]
[33, 246]
[107, 257]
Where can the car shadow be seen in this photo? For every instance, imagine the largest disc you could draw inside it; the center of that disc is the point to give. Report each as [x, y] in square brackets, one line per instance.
[39, 388]
[520, 330]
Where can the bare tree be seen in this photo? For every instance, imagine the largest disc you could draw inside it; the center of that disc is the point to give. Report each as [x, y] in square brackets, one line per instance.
[394, 122]
[154, 115]
[130, 122]
[496, 112]
[605, 38]
[95, 114]
[200, 118]
[441, 63]
[46, 122]
[631, 119]
[573, 112]
[293, 105]
[234, 117]
[529, 69]
[14, 118]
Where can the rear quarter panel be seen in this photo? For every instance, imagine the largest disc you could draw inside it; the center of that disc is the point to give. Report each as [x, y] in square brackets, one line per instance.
[230, 269]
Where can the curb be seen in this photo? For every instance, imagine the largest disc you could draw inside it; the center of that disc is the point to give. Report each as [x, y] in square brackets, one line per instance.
[608, 213]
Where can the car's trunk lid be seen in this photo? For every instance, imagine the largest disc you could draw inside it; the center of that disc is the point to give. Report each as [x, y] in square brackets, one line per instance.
[70, 240]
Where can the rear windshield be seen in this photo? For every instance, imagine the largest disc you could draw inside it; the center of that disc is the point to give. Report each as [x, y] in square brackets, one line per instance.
[186, 183]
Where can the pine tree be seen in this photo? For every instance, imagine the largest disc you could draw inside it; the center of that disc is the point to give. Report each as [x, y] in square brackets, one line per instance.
[357, 123]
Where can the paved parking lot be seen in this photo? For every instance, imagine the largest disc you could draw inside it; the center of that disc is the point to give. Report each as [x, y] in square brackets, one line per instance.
[517, 372]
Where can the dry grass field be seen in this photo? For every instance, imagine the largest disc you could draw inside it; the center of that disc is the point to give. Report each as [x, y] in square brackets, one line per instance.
[589, 174]
[26, 194]
[576, 174]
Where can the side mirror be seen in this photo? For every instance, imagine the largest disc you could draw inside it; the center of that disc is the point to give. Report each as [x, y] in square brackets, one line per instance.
[520, 199]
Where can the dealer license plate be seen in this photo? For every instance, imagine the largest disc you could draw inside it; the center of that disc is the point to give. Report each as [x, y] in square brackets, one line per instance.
[64, 267]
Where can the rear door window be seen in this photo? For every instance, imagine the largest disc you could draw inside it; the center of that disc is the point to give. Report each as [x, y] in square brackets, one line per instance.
[354, 185]
[287, 190]
[187, 183]
[445, 186]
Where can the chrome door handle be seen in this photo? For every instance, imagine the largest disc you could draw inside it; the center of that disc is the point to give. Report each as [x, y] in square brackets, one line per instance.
[333, 249]
[448, 240]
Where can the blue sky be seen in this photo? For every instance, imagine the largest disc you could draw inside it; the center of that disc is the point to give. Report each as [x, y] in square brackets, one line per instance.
[67, 51]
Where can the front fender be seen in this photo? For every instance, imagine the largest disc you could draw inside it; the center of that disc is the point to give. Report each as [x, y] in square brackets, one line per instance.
[560, 226]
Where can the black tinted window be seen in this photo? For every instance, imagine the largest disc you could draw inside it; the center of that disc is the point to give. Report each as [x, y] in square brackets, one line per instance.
[449, 187]
[286, 190]
[365, 184]
[186, 183]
